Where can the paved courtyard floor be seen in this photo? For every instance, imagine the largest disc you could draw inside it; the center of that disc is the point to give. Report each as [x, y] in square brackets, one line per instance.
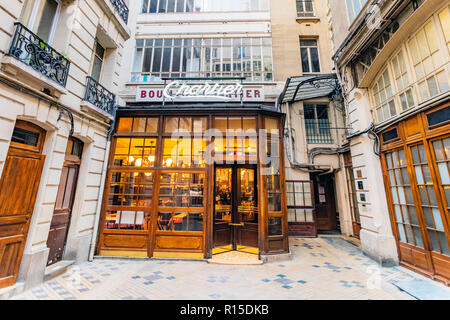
[323, 268]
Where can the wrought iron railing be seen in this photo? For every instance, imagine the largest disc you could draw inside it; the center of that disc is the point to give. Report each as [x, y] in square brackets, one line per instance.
[34, 52]
[99, 96]
[318, 131]
[122, 9]
[305, 8]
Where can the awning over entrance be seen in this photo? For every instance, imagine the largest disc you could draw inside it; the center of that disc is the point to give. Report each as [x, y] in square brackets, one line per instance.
[309, 87]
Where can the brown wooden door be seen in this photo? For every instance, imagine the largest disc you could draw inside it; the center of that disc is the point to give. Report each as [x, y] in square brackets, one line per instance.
[223, 209]
[18, 189]
[59, 227]
[236, 208]
[325, 202]
[63, 211]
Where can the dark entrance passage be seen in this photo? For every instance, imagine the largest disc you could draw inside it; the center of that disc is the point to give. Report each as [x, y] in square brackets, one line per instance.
[235, 209]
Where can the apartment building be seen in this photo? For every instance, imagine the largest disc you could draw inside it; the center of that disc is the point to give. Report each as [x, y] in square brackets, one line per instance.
[314, 132]
[59, 74]
[392, 58]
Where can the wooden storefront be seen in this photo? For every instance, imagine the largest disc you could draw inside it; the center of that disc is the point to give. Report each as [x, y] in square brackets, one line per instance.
[179, 187]
[416, 165]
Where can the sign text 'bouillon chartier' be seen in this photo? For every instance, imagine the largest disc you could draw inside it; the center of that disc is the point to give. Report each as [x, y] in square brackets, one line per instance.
[182, 91]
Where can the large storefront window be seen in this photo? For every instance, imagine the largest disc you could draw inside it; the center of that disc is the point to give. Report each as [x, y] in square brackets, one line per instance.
[170, 6]
[193, 58]
[167, 169]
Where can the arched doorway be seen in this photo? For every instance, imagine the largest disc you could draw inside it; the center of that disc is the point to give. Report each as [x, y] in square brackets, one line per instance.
[18, 189]
[62, 214]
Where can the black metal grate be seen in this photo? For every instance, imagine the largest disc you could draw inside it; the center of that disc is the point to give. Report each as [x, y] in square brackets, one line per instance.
[122, 9]
[318, 131]
[99, 96]
[34, 52]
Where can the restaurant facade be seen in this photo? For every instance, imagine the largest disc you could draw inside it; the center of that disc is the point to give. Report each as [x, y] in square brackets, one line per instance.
[194, 179]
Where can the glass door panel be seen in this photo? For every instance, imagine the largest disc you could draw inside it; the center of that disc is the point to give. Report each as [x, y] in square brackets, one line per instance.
[429, 203]
[247, 217]
[247, 205]
[402, 199]
[441, 149]
[223, 210]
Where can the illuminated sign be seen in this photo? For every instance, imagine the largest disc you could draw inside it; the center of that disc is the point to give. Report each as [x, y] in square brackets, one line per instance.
[183, 91]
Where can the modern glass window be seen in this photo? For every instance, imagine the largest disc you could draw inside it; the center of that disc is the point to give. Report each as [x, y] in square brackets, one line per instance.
[385, 106]
[216, 57]
[305, 8]
[171, 6]
[310, 55]
[354, 7]
[317, 124]
[428, 62]
[97, 66]
[40, 16]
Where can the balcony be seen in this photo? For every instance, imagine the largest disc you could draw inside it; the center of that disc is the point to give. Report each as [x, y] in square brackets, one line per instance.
[122, 9]
[318, 131]
[31, 50]
[100, 97]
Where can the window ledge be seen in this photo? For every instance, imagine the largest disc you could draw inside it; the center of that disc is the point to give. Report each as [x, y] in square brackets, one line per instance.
[89, 108]
[28, 75]
[307, 19]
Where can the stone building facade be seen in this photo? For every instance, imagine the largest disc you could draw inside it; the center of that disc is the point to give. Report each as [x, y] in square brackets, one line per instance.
[392, 58]
[60, 62]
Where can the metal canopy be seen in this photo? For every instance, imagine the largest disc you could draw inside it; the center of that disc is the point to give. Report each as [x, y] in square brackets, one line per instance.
[309, 87]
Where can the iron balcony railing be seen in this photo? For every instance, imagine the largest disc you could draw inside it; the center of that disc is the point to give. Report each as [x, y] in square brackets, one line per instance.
[34, 52]
[122, 9]
[318, 131]
[305, 8]
[99, 96]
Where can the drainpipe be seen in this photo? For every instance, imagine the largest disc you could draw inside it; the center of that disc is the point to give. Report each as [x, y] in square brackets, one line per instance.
[99, 203]
[101, 191]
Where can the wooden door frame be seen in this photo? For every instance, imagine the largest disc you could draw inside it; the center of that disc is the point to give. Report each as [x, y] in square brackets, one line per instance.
[31, 152]
[235, 182]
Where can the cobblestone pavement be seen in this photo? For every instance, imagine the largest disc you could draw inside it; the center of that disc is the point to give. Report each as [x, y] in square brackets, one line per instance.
[322, 268]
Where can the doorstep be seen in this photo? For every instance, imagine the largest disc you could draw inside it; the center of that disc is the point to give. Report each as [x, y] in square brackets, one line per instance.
[57, 269]
[235, 258]
[11, 291]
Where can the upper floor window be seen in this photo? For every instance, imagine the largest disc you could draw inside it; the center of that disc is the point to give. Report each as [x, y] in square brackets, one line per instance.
[354, 7]
[41, 16]
[417, 72]
[384, 97]
[99, 55]
[310, 55]
[317, 124]
[305, 8]
[428, 62]
[170, 6]
[237, 57]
